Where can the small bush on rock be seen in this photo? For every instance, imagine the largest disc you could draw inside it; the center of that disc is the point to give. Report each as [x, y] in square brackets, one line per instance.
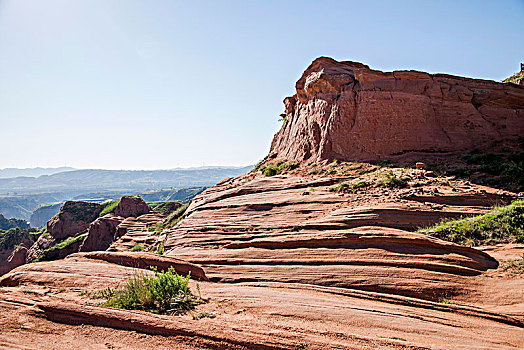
[164, 292]
[279, 168]
[389, 179]
[137, 248]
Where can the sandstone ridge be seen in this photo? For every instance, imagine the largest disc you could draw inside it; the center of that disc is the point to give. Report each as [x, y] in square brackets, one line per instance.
[347, 111]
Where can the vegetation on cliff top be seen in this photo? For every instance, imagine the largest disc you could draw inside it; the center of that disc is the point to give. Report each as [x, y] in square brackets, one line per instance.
[81, 211]
[514, 77]
[173, 218]
[53, 253]
[14, 236]
[500, 225]
[168, 207]
[6, 224]
[109, 207]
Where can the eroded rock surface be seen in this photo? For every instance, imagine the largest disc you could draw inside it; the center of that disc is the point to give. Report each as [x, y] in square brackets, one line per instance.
[321, 256]
[347, 111]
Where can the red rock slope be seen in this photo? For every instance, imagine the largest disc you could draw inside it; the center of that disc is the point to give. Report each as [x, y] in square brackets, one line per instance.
[290, 262]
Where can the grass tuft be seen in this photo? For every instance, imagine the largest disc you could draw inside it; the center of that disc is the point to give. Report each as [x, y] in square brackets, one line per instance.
[390, 180]
[137, 248]
[345, 187]
[500, 225]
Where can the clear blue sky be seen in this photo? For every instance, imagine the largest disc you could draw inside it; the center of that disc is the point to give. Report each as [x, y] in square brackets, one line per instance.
[159, 84]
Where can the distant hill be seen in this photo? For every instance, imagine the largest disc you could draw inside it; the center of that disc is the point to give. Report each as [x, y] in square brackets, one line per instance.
[31, 172]
[141, 180]
[20, 196]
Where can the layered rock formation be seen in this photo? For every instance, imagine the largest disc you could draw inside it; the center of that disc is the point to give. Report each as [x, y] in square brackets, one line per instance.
[321, 255]
[347, 111]
[73, 218]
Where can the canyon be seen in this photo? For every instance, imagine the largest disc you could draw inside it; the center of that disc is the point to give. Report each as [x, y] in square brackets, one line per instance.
[319, 246]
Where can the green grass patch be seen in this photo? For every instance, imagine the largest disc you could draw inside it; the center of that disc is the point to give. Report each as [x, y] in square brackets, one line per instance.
[503, 224]
[137, 248]
[49, 253]
[109, 207]
[160, 249]
[165, 292]
[514, 77]
[13, 237]
[515, 266]
[445, 301]
[345, 187]
[390, 180]
[279, 168]
[505, 170]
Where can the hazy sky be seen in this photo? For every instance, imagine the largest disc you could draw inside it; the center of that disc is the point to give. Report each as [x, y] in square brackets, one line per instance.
[162, 84]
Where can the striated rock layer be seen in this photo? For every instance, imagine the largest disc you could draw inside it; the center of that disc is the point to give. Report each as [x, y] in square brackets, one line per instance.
[347, 111]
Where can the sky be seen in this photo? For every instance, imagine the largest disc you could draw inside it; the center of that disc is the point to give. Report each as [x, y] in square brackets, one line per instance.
[126, 84]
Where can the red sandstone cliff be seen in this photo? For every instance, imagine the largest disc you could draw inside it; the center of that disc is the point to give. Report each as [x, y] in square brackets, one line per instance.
[347, 111]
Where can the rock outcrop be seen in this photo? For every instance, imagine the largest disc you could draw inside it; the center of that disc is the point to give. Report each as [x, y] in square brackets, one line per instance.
[101, 233]
[77, 218]
[73, 218]
[13, 260]
[131, 206]
[347, 111]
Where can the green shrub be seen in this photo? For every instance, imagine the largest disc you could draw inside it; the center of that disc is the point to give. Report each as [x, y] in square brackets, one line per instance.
[279, 168]
[390, 180]
[500, 225]
[160, 249]
[506, 170]
[109, 207]
[348, 188]
[137, 248]
[165, 292]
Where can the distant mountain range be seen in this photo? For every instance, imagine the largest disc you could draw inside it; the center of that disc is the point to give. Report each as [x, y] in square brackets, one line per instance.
[21, 195]
[98, 179]
[32, 172]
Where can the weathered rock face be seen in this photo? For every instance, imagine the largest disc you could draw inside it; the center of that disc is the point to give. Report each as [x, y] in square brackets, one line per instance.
[73, 218]
[101, 233]
[347, 111]
[131, 206]
[107, 229]
[15, 259]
